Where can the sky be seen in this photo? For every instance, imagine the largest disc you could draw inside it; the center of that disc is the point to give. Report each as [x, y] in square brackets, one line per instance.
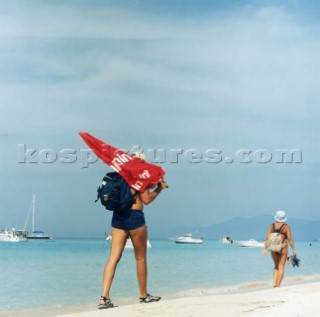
[212, 80]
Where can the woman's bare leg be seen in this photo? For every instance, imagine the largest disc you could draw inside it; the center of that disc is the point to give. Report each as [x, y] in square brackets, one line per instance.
[275, 257]
[139, 240]
[119, 238]
[281, 266]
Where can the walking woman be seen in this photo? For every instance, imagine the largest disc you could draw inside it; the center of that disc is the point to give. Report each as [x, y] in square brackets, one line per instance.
[279, 258]
[130, 224]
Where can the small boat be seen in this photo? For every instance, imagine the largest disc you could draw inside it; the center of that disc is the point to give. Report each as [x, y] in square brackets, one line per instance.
[13, 235]
[250, 243]
[39, 235]
[129, 244]
[187, 239]
[36, 234]
[226, 240]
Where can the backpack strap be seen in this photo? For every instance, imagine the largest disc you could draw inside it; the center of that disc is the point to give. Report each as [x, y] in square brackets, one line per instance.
[282, 227]
[136, 192]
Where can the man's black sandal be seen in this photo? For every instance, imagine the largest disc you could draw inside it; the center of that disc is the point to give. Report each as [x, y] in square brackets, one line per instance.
[106, 303]
[149, 299]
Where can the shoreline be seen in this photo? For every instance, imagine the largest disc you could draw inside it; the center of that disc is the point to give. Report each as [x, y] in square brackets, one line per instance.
[197, 299]
[291, 300]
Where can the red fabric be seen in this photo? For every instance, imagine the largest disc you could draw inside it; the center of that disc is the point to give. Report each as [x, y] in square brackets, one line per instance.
[138, 173]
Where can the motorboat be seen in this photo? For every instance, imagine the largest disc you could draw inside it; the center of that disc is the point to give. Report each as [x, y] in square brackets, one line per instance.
[187, 239]
[250, 243]
[129, 244]
[13, 235]
[36, 234]
[226, 240]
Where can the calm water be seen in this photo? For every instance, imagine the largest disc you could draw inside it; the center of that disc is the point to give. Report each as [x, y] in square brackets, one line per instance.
[68, 272]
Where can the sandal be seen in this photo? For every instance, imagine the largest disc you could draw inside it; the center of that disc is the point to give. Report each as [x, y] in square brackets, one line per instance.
[107, 303]
[149, 299]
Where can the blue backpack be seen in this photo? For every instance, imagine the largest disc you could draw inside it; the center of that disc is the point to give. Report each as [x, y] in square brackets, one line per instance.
[114, 193]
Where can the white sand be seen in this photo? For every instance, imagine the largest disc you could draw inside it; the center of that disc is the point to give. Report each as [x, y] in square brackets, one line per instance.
[292, 301]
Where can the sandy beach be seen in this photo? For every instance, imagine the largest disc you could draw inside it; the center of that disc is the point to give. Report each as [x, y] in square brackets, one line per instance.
[291, 300]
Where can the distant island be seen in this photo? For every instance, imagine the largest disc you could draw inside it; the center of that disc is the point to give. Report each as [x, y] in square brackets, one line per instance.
[245, 228]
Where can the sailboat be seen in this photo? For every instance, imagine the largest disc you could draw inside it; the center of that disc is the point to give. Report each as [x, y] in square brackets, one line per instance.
[36, 234]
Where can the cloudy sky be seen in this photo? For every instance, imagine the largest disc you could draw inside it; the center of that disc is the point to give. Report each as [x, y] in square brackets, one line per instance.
[215, 80]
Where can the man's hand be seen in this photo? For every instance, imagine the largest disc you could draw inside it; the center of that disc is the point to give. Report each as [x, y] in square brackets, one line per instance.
[162, 185]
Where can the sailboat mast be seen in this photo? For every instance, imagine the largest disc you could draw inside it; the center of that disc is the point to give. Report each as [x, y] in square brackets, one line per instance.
[33, 210]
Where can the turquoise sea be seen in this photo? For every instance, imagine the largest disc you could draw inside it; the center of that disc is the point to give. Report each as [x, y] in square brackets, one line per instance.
[65, 273]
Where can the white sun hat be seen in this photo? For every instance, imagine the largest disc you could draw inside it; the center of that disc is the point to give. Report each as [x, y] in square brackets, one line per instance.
[280, 216]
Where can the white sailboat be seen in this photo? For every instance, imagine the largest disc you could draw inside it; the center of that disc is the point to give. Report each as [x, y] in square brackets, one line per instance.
[36, 234]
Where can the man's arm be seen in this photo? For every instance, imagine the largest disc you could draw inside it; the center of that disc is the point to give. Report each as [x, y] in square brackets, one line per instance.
[147, 196]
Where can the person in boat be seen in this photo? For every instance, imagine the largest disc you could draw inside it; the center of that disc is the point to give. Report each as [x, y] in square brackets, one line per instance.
[279, 258]
[130, 224]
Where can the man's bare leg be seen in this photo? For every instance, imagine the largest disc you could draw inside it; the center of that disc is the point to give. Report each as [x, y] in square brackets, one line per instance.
[119, 239]
[139, 240]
